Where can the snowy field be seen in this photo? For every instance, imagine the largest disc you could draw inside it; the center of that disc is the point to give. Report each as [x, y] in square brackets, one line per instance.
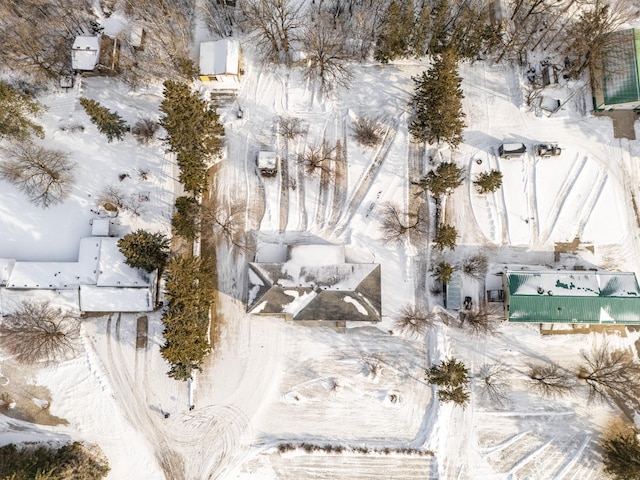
[269, 383]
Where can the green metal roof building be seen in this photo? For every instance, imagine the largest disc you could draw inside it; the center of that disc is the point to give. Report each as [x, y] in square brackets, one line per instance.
[564, 296]
[615, 78]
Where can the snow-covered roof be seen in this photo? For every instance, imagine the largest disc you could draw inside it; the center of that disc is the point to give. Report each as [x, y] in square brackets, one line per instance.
[316, 284]
[267, 160]
[85, 52]
[100, 227]
[573, 297]
[220, 57]
[573, 283]
[100, 265]
[114, 299]
[112, 271]
[6, 266]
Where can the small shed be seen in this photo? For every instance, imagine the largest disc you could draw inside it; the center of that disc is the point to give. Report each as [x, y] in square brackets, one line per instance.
[85, 52]
[100, 227]
[453, 297]
[220, 61]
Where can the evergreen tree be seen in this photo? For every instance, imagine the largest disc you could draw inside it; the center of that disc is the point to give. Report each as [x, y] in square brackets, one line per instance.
[186, 219]
[421, 31]
[189, 287]
[109, 123]
[439, 22]
[193, 171]
[622, 456]
[191, 124]
[437, 102]
[446, 237]
[193, 131]
[443, 180]
[144, 250]
[443, 272]
[488, 182]
[395, 35]
[452, 376]
[15, 109]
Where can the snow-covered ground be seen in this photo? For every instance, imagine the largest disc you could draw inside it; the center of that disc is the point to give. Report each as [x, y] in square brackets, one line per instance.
[269, 383]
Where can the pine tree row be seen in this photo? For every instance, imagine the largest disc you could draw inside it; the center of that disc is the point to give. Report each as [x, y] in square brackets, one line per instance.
[193, 131]
[189, 289]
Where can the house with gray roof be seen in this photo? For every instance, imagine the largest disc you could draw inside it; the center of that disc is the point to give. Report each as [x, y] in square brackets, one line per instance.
[314, 284]
[565, 296]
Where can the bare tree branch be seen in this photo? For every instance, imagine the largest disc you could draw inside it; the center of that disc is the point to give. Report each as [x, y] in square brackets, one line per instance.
[396, 224]
[44, 175]
[36, 332]
[551, 380]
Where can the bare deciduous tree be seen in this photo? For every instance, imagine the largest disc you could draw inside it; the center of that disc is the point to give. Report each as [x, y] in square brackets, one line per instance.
[292, 127]
[479, 322]
[274, 26]
[551, 380]
[145, 130]
[610, 374]
[166, 53]
[37, 35]
[413, 321]
[112, 198]
[475, 266]
[44, 175]
[225, 221]
[492, 384]
[320, 159]
[219, 16]
[396, 224]
[36, 331]
[327, 54]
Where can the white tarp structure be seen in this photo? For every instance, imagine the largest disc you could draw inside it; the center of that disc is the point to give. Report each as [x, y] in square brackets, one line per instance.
[85, 52]
[220, 60]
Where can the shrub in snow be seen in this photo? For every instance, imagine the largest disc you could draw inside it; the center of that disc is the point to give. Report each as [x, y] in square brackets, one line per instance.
[39, 461]
[367, 131]
[488, 182]
[44, 175]
[109, 123]
[145, 130]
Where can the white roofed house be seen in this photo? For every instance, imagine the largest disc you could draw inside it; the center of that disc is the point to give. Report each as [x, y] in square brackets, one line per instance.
[85, 52]
[99, 281]
[220, 61]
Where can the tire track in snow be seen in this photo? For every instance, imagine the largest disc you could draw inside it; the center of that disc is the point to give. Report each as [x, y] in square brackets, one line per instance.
[340, 181]
[501, 206]
[590, 204]
[530, 191]
[367, 178]
[569, 181]
[135, 409]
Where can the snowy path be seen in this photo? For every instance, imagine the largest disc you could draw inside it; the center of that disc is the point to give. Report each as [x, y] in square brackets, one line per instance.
[367, 178]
